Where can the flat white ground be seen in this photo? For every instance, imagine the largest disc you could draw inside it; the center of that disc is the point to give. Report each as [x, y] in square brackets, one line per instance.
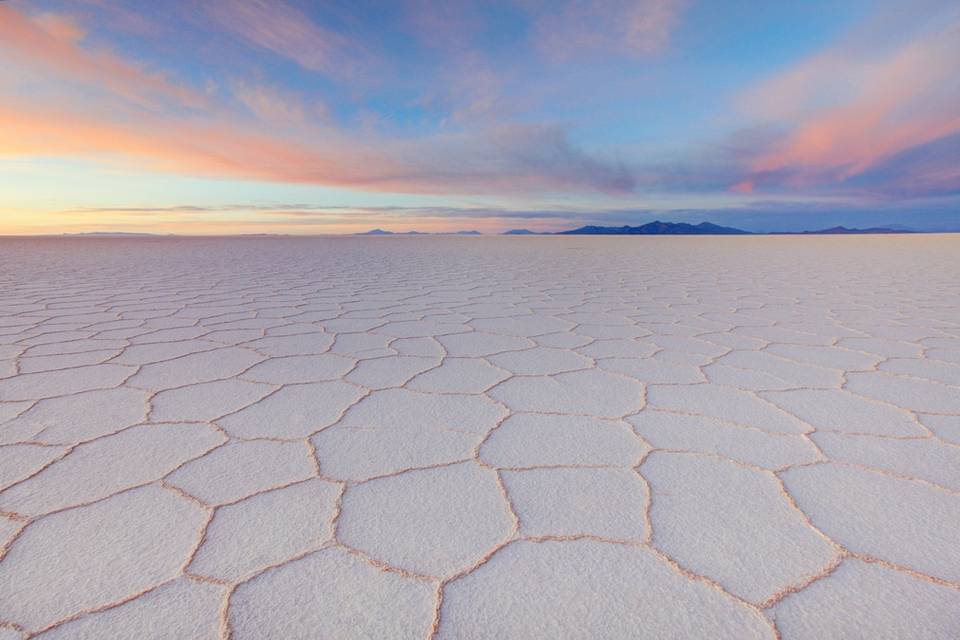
[480, 438]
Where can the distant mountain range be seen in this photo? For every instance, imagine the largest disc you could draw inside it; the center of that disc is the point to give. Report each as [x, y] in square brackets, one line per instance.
[708, 228]
[659, 228]
[649, 229]
[655, 228]
[846, 231]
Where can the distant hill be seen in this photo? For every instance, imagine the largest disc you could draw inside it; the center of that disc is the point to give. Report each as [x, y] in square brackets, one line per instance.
[658, 228]
[839, 230]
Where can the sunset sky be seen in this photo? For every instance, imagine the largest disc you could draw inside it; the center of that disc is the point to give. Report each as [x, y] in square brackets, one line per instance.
[277, 116]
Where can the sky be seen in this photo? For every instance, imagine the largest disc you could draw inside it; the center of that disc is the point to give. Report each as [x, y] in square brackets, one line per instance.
[285, 116]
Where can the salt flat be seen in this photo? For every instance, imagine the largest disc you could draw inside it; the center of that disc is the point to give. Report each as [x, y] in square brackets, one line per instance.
[562, 437]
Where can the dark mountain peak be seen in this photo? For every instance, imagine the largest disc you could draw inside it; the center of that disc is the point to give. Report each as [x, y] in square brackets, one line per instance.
[376, 232]
[658, 227]
[841, 230]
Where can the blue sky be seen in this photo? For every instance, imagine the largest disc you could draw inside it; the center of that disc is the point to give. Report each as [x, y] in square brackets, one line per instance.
[332, 117]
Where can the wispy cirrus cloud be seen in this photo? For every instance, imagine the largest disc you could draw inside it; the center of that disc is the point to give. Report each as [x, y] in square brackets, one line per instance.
[850, 109]
[505, 160]
[273, 104]
[629, 27]
[62, 28]
[52, 44]
[931, 169]
[285, 30]
[214, 140]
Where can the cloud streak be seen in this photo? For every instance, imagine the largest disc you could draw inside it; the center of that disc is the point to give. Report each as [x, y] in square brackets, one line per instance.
[850, 109]
[286, 31]
[218, 142]
[52, 44]
[505, 160]
[626, 27]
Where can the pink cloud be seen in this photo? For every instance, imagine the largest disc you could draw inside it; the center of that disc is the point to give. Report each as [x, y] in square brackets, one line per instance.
[450, 26]
[52, 43]
[60, 27]
[630, 27]
[847, 110]
[469, 86]
[503, 160]
[288, 32]
[274, 105]
[124, 16]
[111, 109]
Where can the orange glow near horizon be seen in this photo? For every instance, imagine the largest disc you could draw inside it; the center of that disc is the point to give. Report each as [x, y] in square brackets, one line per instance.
[281, 117]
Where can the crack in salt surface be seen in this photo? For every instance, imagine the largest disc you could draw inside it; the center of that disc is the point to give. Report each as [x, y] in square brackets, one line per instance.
[360, 299]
